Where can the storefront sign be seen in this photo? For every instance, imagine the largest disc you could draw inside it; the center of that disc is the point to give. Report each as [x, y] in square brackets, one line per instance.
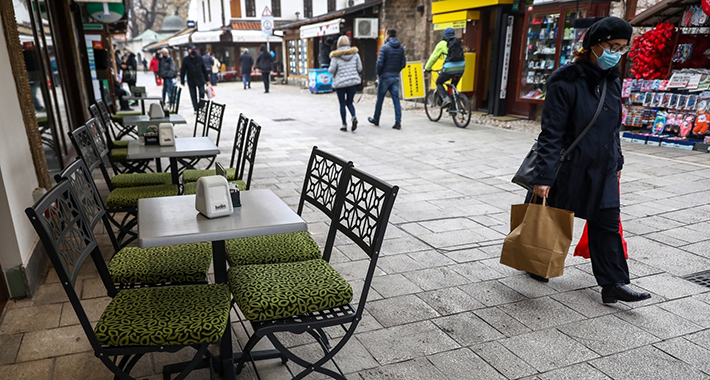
[190, 23]
[455, 24]
[321, 29]
[90, 39]
[506, 58]
[412, 79]
[267, 22]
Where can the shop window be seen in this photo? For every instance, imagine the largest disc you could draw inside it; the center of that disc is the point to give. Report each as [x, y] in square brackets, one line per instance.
[307, 8]
[209, 10]
[276, 8]
[250, 8]
[204, 13]
[303, 57]
[331, 5]
[540, 52]
[293, 57]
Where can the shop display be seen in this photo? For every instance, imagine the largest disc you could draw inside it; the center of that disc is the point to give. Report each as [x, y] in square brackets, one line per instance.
[652, 52]
[540, 52]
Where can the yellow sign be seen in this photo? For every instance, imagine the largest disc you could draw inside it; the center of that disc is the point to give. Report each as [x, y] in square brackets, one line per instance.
[444, 6]
[466, 83]
[456, 16]
[455, 24]
[412, 79]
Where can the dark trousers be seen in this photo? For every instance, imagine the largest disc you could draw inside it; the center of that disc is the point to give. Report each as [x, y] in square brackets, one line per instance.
[194, 89]
[606, 250]
[266, 77]
[345, 98]
[443, 78]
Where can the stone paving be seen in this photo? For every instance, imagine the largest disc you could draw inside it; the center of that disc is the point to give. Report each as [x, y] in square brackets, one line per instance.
[441, 305]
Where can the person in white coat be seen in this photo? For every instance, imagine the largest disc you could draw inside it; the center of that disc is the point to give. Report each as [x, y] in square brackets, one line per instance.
[346, 66]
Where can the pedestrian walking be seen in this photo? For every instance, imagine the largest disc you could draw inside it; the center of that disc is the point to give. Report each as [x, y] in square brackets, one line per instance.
[209, 62]
[389, 64]
[263, 62]
[154, 62]
[193, 70]
[247, 63]
[168, 71]
[588, 178]
[215, 71]
[129, 67]
[326, 46]
[346, 66]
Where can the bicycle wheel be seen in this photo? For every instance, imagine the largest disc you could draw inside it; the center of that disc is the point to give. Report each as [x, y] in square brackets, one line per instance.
[463, 113]
[433, 111]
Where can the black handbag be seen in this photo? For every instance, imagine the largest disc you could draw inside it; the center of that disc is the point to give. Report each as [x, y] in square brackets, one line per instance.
[524, 175]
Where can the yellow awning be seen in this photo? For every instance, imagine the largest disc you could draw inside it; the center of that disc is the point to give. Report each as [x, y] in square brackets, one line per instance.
[444, 6]
[456, 16]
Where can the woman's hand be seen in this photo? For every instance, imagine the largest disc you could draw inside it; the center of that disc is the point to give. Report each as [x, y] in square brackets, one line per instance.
[618, 175]
[541, 190]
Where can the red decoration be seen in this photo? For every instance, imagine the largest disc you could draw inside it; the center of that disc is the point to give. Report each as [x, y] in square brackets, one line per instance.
[706, 7]
[652, 52]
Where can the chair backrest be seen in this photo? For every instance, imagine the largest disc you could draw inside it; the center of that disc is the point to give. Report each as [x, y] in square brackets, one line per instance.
[174, 100]
[320, 186]
[362, 210]
[85, 189]
[106, 117]
[239, 141]
[214, 120]
[68, 240]
[201, 117]
[85, 141]
[250, 145]
[105, 124]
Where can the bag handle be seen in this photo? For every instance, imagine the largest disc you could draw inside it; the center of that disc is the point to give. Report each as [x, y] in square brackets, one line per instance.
[589, 126]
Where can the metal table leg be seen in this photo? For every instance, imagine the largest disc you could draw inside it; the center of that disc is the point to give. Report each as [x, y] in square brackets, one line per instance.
[176, 180]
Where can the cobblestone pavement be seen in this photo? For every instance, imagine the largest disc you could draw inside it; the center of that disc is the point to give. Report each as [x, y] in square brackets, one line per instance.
[441, 305]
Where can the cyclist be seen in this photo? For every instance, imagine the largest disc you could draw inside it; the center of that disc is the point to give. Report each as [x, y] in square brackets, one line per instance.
[454, 63]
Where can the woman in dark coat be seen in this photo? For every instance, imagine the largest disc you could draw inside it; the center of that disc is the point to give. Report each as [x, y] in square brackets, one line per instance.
[588, 180]
[263, 62]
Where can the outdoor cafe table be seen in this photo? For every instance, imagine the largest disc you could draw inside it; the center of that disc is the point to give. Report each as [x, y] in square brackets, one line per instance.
[174, 220]
[184, 147]
[171, 118]
[142, 99]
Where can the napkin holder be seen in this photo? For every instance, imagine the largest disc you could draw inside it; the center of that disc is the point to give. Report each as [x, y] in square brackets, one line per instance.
[166, 134]
[156, 111]
[212, 197]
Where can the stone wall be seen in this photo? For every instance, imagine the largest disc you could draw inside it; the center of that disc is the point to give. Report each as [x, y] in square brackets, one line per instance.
[414, 28]
[618, 10]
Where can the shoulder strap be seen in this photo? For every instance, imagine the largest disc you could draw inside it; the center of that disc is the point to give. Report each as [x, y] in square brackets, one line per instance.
[589, 126]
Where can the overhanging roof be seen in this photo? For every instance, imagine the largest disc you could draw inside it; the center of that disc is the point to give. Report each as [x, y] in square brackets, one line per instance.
[330, 15]
[208, 36]
[671, 10]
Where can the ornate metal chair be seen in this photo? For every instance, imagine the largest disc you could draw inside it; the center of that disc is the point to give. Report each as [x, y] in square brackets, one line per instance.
[174, 100]
[192, 175]
[308, 296]
[203, 109]
[136, 321]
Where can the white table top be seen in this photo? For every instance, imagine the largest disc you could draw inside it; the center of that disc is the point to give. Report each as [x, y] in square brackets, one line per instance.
[174, 220]
[145, 97]
[172, 118]
[184, 147]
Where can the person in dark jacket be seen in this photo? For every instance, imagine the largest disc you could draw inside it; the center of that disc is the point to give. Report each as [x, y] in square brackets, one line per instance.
[588, 179]
[193, 68]
[326, 46]
[168, 71]
[129, 68]
[209, 62]
[389, 64]
[247, 63]
[264, 62]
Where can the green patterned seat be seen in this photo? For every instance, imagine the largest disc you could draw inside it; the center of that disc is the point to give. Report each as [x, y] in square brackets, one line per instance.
[129, 196]
[119, 154]
[275, 291]
[185, 263]
[120, 143]
[165, 316]
[191, 175]
[141, 179]
[272, 249]
[191, 187]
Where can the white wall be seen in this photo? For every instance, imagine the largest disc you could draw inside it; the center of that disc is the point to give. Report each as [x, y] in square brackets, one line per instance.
[288, 8]
[209, 14]
[17, 175]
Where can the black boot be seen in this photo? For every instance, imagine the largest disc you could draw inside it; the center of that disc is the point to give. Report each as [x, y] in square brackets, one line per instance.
[538, 277]
[621, 292]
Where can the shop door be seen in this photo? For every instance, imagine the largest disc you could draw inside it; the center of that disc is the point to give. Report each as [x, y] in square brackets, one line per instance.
[485, 65]
[512, 106]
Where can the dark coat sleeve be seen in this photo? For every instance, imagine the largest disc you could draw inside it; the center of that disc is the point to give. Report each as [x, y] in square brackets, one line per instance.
[555, 116]
[381, 59]
[183, 71]
[620, 162]
[403, 63]
[205, 73]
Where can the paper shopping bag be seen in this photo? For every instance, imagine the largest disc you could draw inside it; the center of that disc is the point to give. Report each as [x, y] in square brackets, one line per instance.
[540, 241]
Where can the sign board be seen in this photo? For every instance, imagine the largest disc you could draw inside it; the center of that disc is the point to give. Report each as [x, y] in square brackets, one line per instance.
[412, 79]
[454, 24]
[267, 22]
[190, 23]
[506, 58]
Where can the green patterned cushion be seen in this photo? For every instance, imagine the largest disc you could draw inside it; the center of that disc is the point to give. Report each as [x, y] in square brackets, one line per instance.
[272, 249]
[185, 263]
[165, 316]
[129, 196]
[191, 175]
[141, 179]
[191, 187]
[275, 291]
[119, 154]
[120, 143]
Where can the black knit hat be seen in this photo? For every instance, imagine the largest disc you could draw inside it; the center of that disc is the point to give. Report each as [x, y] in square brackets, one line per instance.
[608, 28]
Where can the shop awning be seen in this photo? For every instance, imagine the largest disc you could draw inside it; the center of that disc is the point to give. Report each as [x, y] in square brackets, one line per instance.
[206, 37]
[321, 29]
[671, 10]
[252, 36]
[180, 40]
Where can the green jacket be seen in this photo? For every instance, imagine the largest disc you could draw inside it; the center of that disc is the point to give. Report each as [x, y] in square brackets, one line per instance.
[443, 48]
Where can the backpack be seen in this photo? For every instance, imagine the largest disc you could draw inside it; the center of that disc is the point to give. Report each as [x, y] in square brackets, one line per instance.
[455, 51]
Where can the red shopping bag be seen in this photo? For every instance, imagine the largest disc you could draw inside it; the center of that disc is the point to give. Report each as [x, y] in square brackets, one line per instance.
[582, 248]
[159, 81]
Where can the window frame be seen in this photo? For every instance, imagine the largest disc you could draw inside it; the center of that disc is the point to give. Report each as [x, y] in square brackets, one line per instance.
[276, 8]
[250, 6]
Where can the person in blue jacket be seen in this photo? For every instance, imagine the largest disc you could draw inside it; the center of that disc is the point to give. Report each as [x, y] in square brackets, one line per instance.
[389, 64]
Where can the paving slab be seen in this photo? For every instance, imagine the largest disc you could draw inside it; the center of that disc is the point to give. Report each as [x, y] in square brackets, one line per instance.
[548, 349]
[646, 363]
